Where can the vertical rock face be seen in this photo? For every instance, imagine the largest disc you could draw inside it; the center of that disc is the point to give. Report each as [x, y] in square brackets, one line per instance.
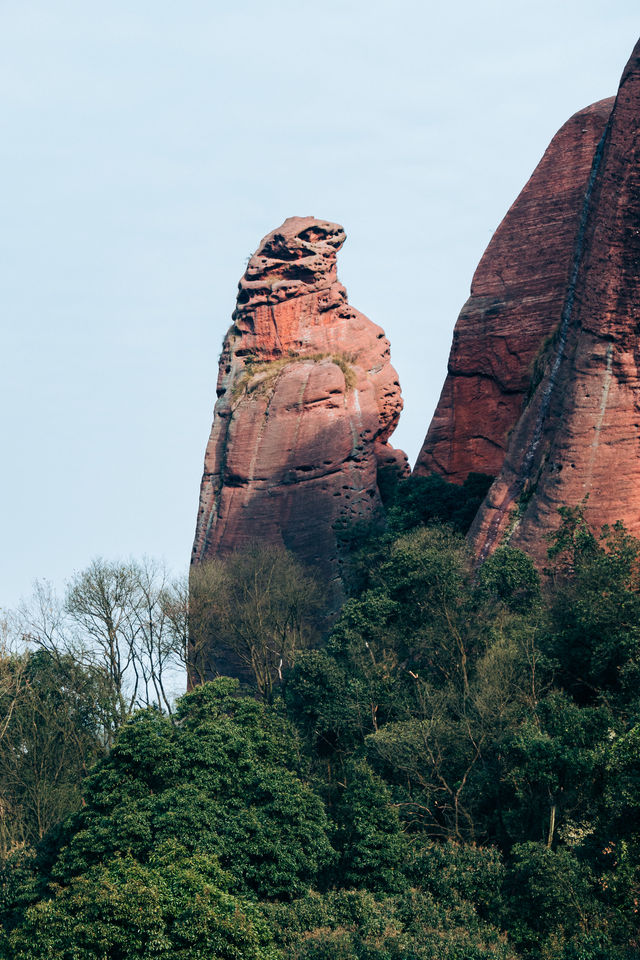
[307, 399]
[517, 297]
[578, 439]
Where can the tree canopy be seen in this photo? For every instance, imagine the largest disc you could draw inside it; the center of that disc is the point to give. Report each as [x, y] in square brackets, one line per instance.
[452, 773]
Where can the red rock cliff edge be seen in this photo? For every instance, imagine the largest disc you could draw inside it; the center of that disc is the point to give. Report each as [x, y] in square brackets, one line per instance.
[517, 297]
[578, 439]
[307, 400]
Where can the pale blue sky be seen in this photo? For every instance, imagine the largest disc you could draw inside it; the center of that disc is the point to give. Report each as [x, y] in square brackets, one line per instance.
[148, 146]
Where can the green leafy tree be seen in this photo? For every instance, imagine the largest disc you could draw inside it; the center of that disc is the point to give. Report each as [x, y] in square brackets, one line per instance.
[551, 770]
[426, 500]
[509, 576]
[552, 907]
[176, 905]
[617, 839]
[622, 783]
[410, 503]
[423, 673]
[595, 614]
[369, 840]
[226, 778]
[417, 613]
[360, 925]
[326, 701]
[454, 873]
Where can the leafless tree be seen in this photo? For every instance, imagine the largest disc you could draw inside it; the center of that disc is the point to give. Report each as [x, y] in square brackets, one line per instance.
[159, 646]
[257, 609]
[102, 604]
[42, 620]
[119, 620]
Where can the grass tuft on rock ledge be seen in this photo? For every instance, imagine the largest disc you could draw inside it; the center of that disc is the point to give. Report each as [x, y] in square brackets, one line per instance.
[258, 377]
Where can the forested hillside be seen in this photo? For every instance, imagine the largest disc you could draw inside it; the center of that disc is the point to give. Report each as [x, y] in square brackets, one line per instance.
[452, 773]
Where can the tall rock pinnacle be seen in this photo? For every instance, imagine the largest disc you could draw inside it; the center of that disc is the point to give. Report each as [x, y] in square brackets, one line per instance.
[578, 438]
[307, 399]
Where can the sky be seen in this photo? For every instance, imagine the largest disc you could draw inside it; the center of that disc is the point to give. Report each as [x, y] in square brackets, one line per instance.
[146, 149]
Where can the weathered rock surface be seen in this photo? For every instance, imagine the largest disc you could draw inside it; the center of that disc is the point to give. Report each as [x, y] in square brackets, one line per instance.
[517, 297]
[578, 440]
[307, 399]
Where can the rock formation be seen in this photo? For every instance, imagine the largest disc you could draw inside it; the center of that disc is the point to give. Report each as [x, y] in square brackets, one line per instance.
[578, 438]
[543, 386]
[517, 297]
[307, 399]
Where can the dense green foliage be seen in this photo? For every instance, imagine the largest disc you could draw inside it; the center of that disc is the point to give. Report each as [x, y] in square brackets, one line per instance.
[176, 904]
[225, 779]
[422, 500]
[455, 774]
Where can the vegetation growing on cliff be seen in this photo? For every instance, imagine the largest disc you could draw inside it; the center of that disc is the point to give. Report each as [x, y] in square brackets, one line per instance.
[455, 774]
[259, 376]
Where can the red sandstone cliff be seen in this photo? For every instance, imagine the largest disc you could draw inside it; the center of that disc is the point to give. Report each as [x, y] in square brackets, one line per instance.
[307, 399]
[579, 436]
[517, 297]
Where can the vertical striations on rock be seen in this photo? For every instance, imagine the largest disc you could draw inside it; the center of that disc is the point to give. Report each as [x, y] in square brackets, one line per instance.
[516, 301]
[578, 440]
[307, 400]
